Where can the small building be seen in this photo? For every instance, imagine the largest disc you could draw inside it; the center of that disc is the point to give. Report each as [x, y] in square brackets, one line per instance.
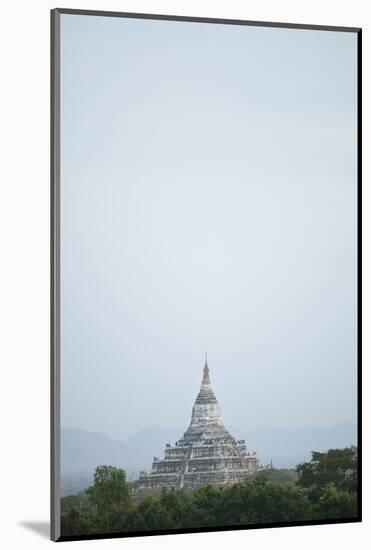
[207, 452]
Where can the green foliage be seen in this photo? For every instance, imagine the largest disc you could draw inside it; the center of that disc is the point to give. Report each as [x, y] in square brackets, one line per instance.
[170, 509]
[206, 506]
[337, 467]
[110, 489]
[75, 523]
[261, 501]
[148, 514]
[335, 503]
[109, 502]
[79, 501]
[324, 488]
[178, 503]
[71, 501]
[282, 477]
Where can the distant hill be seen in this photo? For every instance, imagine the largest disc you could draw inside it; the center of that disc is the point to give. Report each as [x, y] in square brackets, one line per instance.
[82, 451]
[289, 446]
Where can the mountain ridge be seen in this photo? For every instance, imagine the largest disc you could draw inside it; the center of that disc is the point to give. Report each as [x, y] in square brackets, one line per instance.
[82, 451]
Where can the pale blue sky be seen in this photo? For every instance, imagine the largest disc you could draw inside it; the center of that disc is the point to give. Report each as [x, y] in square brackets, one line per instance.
[208, 191]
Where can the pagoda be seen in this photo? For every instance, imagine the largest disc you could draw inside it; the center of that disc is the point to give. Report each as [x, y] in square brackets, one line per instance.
[207, 452]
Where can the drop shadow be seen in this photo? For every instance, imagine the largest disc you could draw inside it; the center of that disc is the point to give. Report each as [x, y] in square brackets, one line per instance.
[42, 528]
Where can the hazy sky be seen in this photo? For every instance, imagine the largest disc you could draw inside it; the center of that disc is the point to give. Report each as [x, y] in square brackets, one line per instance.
[208, 190]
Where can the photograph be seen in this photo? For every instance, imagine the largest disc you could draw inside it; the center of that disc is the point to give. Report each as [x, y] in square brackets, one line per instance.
[205, 274]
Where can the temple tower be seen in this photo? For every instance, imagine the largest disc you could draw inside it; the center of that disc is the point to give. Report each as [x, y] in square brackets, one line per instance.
[206, 420]
[207, 453]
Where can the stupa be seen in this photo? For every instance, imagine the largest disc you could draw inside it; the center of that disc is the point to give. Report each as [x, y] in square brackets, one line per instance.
[207, 452]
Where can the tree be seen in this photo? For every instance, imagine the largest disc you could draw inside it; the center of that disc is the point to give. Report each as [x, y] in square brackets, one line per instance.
[337, 467]
[79, 501]
[149, 514]
[282, 476]
[326, 489]
[178, 504]
[261, 501]
[74, 522]
[110, 496]
[205, 506]
[335, 503]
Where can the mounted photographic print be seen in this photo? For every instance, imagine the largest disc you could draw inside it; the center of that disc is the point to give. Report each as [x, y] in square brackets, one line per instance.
[205, 274]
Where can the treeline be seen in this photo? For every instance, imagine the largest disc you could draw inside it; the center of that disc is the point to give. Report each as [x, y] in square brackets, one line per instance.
[324, 488]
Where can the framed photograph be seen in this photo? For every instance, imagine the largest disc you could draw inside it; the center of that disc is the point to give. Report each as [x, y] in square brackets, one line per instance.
[205, 287]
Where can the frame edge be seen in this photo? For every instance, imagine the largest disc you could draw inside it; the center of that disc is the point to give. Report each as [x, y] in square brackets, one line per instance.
[200, 19]
[55, 531]
[55, 526]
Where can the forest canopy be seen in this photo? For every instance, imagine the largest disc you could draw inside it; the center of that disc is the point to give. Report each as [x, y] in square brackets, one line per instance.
[323, 489]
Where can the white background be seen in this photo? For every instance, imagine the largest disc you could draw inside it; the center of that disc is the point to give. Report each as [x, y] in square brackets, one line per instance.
[24, 272]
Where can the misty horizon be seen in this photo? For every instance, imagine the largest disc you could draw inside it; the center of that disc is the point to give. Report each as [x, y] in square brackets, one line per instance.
[232, 429]
[208, 201]
[246, 426]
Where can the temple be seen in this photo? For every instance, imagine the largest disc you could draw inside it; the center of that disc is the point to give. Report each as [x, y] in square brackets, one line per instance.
[207, 452]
